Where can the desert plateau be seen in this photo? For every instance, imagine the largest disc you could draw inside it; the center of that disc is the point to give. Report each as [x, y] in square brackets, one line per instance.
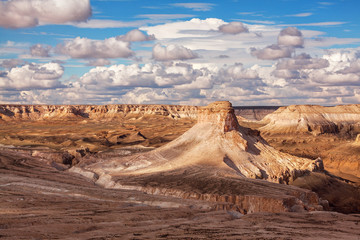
[179, 172]
[132, 119]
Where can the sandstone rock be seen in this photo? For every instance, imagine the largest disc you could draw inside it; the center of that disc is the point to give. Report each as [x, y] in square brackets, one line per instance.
[218, 140]
[215, 149]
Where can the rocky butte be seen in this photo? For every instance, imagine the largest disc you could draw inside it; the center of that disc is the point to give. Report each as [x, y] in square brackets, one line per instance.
[217, 160]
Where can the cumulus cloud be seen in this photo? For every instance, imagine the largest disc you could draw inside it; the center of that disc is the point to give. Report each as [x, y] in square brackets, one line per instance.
[238, 76]
[272, 52]
[88, 48]
[149, 75]
[32, 76]
[11, 63]
[172, 52]
[121, 76]
[238, 72]
[288, 39]
[302, 61]
[353, 68]
[30, 13]
[233, 28]
[135, 35]
[40, 50]
[291, 36]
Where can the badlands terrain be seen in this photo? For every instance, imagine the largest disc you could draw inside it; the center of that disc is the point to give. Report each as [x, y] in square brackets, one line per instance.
[179, 172]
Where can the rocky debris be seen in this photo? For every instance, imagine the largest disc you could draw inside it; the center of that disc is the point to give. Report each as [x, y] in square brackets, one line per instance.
[342, 119]
[219, 142]
[55, 156]
[357, 139]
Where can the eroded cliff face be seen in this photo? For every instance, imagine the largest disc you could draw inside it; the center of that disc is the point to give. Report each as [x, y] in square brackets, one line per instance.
[92, 112]
[254, 113]
[108, 112]
[313, 119]
[208, 161]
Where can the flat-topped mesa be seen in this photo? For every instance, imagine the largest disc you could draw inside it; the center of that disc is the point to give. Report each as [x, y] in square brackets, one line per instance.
[93, 112]
[300, 119]
[221, 114]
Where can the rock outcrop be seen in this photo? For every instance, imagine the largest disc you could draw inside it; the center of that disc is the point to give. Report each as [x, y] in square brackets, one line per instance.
[217, 153]
[313, 119]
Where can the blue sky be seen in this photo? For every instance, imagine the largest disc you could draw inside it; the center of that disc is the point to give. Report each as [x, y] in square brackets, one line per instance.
[251, 52]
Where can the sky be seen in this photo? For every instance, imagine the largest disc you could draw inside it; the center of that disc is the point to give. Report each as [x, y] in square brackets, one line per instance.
[249, 52]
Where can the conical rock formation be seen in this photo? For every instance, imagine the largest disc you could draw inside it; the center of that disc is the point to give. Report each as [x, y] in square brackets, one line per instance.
[216, 161]
[219, 141]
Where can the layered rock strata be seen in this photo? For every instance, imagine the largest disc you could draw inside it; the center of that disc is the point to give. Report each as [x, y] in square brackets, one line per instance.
[217, 153]
[313, 119]
[96, 112]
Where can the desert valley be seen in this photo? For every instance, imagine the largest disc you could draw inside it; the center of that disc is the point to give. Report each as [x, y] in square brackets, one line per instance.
[179, 172]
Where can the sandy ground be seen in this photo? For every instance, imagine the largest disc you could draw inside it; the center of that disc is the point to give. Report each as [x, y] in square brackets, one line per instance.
[40, 202]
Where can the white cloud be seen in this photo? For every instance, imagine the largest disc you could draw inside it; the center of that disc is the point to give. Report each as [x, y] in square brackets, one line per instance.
[237, 71]
[195, 6]
[233, 28]
[164, 16]
[99, 62]
[257, 21]
[135, 35]
[286, 74]
[272, 52]
[306, 14]
[302, 61]
[316, 24]
[149, 75]
[172, 52]
[30, 13]
[353, 68]
[184, 29]
[291, 36]
[88, 48]
[326, 78]
[32, 76]
[106, 23]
